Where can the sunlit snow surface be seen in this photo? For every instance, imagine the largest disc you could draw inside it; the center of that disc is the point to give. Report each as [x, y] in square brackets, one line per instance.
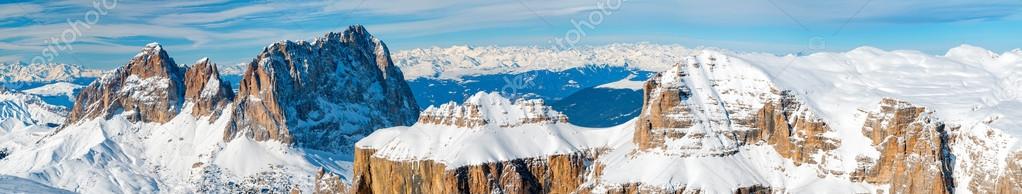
[102, 156]
[17, 185]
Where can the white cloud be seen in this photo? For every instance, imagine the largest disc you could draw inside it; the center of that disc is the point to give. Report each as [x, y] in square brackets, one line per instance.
[211, 17]
[12, 10]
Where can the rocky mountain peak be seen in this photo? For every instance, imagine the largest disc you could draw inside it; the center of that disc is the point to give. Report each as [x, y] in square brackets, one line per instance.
[154, 61]
[306, 92]
[491, 109]
[149, 88]
[207, 92]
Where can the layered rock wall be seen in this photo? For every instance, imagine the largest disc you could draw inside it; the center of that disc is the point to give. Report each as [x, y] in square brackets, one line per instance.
[551, 174]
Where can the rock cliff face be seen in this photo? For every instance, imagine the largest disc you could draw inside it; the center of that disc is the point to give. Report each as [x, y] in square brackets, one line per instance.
[520, 165]
[792, 130]
[151, 86]
[324, 94]
[204, 88]
[915, 155]
[699, 108]
[549, 174]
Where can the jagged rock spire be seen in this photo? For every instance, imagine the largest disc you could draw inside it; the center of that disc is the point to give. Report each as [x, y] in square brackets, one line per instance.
[206, 91]
[322, 94]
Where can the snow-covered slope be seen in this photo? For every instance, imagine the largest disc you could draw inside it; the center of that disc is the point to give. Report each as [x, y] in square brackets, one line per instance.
[18, 72]
[16, 185]
[29, 109]
[969, 85]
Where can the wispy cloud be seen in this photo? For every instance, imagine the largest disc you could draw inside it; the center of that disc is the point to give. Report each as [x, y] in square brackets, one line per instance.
[225, 26]
[11, 10]
[508, 14]
[211, 17]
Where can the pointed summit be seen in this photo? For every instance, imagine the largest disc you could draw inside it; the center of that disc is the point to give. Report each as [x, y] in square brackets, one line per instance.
[149, 88]
[152, 61]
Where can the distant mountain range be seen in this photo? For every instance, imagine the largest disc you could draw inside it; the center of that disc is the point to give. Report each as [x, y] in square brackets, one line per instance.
[20, 72]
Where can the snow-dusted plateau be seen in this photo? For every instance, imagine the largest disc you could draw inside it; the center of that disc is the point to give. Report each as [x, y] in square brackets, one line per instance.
[342, 114]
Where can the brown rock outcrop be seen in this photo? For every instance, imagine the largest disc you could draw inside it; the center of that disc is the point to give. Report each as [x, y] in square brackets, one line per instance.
[662, 110]
[204, 88]
[551, 174]
[914, 152]
[150, 87]
[324, 94]
[1010, 180]
[792, 131]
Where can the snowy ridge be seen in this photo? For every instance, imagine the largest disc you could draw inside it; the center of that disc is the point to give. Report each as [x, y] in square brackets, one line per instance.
[491, 109]
[56, 89]
[455, 146]
[968, 86]
[28, 109]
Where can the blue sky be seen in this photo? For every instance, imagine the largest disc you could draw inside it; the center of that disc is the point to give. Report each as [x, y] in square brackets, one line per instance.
[108, 33]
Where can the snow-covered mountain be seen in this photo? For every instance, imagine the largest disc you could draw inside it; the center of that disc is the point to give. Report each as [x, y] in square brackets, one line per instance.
[24, 119]
[28, 109]
[59, 93]
[863, 121]
[153, 126]
[20, 72]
